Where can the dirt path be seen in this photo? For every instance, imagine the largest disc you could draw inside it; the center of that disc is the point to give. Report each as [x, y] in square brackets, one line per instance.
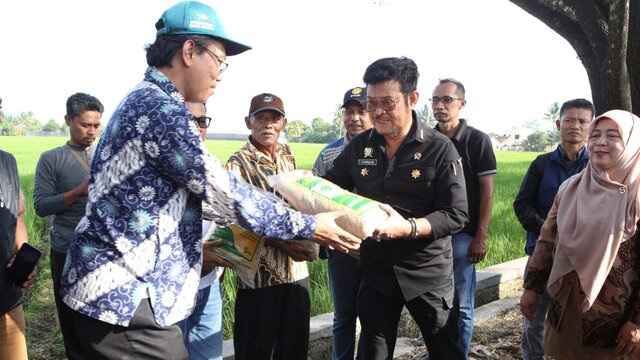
[495, 339]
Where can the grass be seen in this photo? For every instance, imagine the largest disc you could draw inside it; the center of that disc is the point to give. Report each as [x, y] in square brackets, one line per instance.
[505, 242]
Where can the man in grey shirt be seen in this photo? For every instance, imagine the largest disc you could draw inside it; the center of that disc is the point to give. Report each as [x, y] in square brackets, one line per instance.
[60, 187]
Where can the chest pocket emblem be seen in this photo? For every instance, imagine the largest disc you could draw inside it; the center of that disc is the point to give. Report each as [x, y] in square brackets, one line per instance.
[364, 172]
[368, 152]
[416, 174]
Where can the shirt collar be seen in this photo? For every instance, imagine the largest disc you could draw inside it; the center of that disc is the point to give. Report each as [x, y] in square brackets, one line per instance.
[260, 156]
[461, 129]
[78, 148]
[418, 131]
[155, 76]
[565, 157]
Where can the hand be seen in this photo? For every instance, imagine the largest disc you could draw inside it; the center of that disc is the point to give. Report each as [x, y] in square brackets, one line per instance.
[395, 227]
[210, 259]
[298, 250]
[477, 249]
[83, 188]
[332, 236]
[30, 279]
[304, 172]
[627, 339]
[529, 303]
[71, 196]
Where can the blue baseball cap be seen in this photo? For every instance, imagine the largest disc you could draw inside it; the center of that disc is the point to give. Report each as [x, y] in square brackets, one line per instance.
[195, 18]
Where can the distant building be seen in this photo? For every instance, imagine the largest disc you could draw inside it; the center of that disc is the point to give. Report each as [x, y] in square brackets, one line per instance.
[508, 142]
[47, 133]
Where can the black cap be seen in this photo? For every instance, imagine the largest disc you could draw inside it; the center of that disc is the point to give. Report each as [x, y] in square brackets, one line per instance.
[356, 94]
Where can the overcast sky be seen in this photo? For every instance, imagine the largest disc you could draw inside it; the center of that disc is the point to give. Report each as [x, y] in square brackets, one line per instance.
[307, 52]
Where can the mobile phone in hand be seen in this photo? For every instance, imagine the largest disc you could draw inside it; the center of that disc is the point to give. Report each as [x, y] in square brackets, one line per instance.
[25, 261]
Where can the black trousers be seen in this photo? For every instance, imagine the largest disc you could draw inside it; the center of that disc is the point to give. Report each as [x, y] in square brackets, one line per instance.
[435, 312]
[142, 339]
[272, 322]
[57, 260]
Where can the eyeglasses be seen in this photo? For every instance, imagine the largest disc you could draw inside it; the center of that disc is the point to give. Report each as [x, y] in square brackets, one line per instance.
[223, 65]
[445, 99]
[202, 121]
[387, 103]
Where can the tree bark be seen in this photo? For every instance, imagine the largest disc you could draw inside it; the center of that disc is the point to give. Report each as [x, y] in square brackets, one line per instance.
[604, 34]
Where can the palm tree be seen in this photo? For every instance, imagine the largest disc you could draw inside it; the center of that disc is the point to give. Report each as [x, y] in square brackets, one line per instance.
[426, 115]
[337, 125]
[552, 115]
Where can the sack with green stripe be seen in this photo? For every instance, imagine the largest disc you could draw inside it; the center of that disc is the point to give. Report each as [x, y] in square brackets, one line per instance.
[312, 195]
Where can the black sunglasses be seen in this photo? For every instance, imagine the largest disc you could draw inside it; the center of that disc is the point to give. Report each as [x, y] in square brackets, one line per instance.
[203, 121]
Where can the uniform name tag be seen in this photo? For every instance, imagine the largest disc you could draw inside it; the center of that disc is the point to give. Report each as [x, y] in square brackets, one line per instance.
[369, 162]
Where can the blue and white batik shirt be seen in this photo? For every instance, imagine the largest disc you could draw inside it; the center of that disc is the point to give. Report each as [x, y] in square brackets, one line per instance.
[141, 234]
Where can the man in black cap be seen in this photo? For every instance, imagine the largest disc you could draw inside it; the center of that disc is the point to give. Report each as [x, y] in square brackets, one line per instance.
[133, 264]
[344, 270]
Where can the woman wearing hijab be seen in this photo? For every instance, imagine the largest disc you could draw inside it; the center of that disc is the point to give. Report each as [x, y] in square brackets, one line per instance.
[587, 253]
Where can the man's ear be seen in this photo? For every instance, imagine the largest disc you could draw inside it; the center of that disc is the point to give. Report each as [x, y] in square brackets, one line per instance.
[247, 122]
[558, 124]
[413, 99]
[67, 120]
[188, 51]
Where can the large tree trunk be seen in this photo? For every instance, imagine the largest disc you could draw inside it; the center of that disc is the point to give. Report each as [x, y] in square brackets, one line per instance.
[633, 55]
[605, 35]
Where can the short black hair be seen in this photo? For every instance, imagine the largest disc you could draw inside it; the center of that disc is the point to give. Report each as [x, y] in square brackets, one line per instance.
[580, 104]
[402, 70]
[79, 103]
[460, 88]
[160, 53]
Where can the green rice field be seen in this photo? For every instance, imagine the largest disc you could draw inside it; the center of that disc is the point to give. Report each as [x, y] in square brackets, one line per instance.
[506, 237]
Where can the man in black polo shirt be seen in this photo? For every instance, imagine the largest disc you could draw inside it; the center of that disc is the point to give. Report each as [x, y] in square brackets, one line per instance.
[479, 164]
[417, 171]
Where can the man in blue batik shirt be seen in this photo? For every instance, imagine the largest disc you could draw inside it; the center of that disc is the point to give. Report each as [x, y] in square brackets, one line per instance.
[133, 265]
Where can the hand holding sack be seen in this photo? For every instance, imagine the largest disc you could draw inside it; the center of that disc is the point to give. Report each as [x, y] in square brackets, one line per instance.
[312, 195]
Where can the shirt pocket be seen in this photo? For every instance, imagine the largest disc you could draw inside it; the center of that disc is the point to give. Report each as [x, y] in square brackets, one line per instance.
[366, 172]
[417, 174]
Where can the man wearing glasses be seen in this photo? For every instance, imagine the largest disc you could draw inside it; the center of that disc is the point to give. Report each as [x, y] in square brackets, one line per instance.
[344, 269]
[202, 330]
[417, 171]
[479, 164]
[134, 262]
[272, 315]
